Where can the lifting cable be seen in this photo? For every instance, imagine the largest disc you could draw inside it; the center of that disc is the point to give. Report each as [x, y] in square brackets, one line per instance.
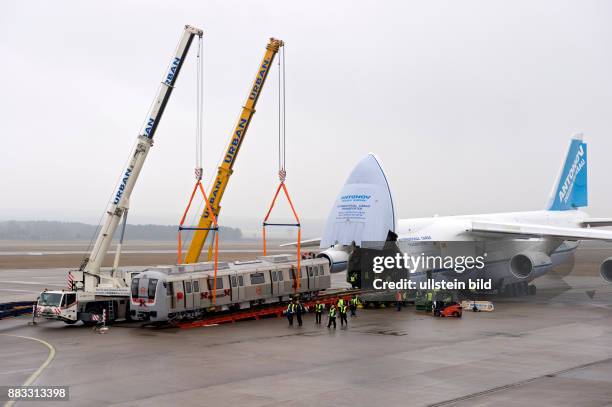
[282, 171]
[199, 144]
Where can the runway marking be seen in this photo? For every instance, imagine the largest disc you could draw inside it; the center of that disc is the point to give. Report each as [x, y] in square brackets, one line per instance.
[31, 283]
[42, 367]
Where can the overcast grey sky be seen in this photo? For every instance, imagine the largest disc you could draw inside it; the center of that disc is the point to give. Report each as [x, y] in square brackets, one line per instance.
[469, 104]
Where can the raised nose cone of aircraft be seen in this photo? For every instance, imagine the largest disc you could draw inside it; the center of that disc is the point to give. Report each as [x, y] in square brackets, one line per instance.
[363, 210]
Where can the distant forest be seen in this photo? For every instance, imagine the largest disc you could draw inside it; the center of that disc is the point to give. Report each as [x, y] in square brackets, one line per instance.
[53, 230]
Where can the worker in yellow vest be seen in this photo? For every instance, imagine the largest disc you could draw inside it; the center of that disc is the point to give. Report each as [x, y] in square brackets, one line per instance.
[353, 304]
[343, 315]
[332, 316]
[318, 308]
[353, 280]
[290, 312]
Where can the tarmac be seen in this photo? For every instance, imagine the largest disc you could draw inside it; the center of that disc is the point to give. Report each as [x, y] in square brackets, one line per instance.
[551, 349]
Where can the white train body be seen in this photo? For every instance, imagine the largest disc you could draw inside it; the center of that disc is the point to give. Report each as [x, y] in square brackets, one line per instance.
[166, 293]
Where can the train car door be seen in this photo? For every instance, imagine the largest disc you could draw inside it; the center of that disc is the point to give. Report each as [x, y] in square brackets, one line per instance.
[276, 289]
[195, 287]
[219, 294]
[289, 280]
[260, 286]
[235, 291]
[224, 291]
[282, 276]
[188, 295]
[311, 277]
[178, 300]
[303, 279]
[318, 276]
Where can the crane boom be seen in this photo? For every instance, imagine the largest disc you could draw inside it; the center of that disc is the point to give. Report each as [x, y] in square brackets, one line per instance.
[120, 200]
[226, 168]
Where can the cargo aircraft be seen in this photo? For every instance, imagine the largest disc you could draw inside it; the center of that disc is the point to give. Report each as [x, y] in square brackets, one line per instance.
[526, 244]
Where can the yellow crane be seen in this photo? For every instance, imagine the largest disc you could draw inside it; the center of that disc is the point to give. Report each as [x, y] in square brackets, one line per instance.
[226, 168]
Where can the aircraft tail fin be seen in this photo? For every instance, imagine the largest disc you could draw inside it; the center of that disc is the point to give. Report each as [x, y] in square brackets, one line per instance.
[570, 189]
[363, 210]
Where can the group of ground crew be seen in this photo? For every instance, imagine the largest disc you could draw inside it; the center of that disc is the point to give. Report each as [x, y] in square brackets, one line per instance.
[296, 308]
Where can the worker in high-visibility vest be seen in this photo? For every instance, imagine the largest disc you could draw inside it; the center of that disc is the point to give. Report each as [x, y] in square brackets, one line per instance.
[343, 315]
[318, 311]
[290, 312]
[353, 280]
[332, 316]
[298, 308]
[353, 305]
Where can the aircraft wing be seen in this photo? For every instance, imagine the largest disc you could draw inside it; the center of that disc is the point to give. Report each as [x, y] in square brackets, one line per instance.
[527, 231]
[304, 243]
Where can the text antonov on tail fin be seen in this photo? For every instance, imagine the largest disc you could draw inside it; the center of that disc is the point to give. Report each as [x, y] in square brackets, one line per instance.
[570, 189]
[363, 210]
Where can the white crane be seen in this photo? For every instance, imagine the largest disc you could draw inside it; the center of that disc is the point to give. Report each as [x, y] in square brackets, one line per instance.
[56, 305]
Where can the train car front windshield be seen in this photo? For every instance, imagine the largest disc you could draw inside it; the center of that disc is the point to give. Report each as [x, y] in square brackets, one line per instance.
[145, 290]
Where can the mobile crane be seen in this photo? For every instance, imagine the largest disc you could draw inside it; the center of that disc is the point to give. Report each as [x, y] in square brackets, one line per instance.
[226, 168]
[96, 291]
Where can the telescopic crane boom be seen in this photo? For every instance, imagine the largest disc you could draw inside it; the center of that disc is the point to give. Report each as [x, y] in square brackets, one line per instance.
[120, 201]
[226, 168]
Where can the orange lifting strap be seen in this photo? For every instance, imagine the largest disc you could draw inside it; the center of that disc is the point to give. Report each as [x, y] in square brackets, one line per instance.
[297, 224]
[215, 227]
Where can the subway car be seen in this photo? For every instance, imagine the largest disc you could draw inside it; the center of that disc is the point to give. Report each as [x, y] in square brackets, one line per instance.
[174, 293]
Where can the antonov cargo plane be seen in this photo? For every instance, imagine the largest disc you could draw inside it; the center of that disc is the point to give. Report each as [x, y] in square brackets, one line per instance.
[532, 243]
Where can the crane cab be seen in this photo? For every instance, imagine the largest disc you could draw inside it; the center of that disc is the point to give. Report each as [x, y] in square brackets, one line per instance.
[60, 305]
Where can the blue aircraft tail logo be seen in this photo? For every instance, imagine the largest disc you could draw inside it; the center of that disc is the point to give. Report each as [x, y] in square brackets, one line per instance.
[571, 189]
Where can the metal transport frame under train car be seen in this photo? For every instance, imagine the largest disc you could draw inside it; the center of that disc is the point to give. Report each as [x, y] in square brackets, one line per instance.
[182, 292]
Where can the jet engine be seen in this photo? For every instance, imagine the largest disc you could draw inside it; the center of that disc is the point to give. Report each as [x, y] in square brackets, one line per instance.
[337, 259]
[523, 264]
[605, 270]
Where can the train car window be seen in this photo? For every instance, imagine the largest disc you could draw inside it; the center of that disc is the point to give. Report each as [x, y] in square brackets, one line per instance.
[219, 283]
[135, 287]
[240, 281]
[170, 291]
[310, 272]
[152, 287]
[187, 287]
[196, 286]
[274, 278]
[258, 278]
[280, 275]
[292, 273]
[233, 278]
